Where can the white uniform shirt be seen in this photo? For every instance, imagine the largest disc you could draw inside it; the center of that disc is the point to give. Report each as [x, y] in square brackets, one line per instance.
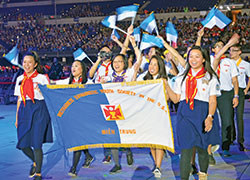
[39, 79]
[141, 76]
[244, 70]
[205, 88]
[101, 72]
[128, 75]
[228, 70]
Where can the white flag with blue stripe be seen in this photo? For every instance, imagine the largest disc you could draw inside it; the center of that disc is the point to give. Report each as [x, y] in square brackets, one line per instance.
[137, 34]
[171, 32]
[109, 21]
[215, 17]
[149, 24]
[149, 41]
[126, 12]
[79, 54]
[12, 56]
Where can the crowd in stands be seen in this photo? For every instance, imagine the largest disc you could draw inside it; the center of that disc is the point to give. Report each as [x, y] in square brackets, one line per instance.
[91, 36]
[83, 10]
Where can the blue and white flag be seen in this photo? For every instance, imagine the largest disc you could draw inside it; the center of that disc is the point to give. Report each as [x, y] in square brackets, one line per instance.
[126, 12]
[137, 34]
[12, 56]
[215, 17]
[114, 32]
[110, 115]
[171, 33]
[109, 21]
[149, 24]
[79, 54]
[149, 41]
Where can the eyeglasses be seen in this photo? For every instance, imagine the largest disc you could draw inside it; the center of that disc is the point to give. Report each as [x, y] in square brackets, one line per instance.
[234, 50]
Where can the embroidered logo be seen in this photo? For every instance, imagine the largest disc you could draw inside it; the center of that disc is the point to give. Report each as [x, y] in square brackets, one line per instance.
[112, 112]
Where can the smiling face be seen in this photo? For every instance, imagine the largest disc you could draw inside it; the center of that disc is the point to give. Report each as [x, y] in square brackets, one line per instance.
[29, 64]
[153, 67]
[118, 64]
[196, 59]
[76, 69]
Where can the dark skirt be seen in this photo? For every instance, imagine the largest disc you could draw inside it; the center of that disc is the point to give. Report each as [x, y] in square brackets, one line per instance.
[190, 126]
[34, 125]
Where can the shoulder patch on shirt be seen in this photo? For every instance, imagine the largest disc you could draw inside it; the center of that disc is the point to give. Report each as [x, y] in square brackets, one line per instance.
[217, 87]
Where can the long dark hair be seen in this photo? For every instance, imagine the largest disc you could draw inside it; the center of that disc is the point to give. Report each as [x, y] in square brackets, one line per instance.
[162, 71]
[84, 73]
[37, 60]
[125, 61]
[206, 63]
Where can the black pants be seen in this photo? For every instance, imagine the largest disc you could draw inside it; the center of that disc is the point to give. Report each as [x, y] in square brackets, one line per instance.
[239, 118]
[185, 163]
[77, 156]
[225, 106]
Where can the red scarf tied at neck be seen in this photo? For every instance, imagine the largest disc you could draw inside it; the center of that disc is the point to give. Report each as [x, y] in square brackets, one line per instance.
[191, 86]
[79, 81]
[27, 88]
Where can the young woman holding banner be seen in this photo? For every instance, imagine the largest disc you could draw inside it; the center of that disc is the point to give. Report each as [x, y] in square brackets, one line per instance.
[156, 70]
[78, 75]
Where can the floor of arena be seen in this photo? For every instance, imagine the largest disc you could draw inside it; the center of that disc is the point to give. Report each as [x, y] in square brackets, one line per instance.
[15, 166]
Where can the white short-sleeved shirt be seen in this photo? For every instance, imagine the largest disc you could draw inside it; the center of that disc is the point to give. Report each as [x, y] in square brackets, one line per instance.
[205, 88]
[39, 79]
[244, 70]
[228, 70]
[101, 71]
[141, 76]
[128, 75]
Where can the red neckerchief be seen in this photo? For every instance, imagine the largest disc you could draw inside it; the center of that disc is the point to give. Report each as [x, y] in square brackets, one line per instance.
[77, 82]
[106, 67]
[27, 88]
[191, 86]
[218, 69]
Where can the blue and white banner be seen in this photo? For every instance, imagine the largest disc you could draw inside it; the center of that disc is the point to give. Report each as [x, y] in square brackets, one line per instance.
[109, 21]
[215, 17]
[126, 12]
[171, 33]
[79, 54]
[129, 114]
[149, 41]
[12, 56]
[149, 24]
[115, 33]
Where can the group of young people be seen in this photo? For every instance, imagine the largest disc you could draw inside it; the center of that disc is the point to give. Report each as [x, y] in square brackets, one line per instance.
[200, 84]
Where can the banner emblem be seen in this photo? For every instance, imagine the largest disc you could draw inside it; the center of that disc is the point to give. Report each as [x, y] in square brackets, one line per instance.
[112, 112]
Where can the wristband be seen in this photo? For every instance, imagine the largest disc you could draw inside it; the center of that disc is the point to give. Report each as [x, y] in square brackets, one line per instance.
[210, 115]
[134, 46]
[236, 96]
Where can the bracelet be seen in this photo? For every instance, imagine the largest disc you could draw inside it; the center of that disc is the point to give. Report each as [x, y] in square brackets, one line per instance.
[236, 96]
[134, 46]
[210, 115]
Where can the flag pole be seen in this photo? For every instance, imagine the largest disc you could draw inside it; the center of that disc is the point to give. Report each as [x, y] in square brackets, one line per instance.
[121, 30]
[90, 60]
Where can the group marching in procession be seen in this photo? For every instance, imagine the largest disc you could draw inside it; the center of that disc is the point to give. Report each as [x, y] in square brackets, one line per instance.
[206, 87]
